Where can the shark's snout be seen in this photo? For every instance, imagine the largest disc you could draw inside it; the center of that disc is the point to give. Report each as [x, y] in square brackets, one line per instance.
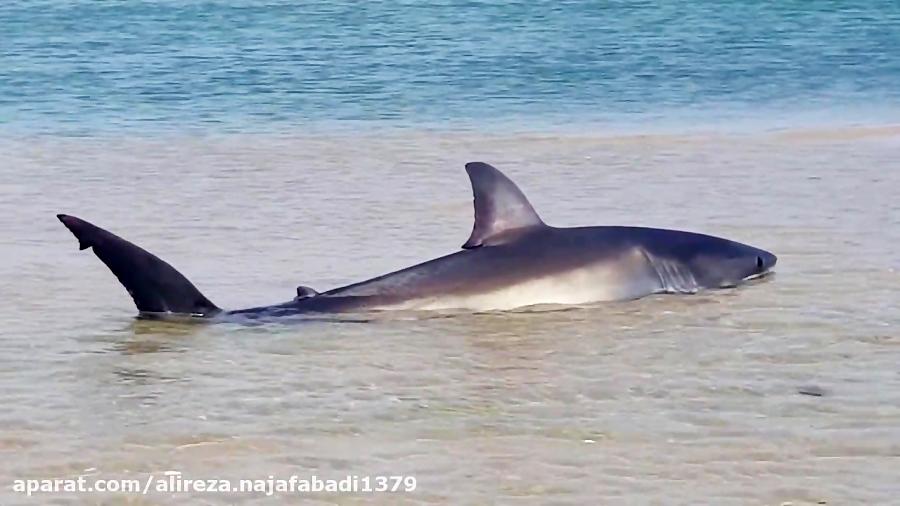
[765, 261]
[726, 263]
[763, 264]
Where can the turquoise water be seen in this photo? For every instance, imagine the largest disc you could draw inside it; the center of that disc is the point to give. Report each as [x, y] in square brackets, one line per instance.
[79, 67]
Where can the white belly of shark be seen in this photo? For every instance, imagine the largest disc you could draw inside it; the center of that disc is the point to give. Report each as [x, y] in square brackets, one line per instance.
[580, 286]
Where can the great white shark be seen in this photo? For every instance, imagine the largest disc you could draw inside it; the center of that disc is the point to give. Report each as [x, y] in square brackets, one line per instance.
[512, 259]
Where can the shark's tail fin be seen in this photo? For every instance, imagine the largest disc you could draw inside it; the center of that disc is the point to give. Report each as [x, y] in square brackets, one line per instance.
[155, 286]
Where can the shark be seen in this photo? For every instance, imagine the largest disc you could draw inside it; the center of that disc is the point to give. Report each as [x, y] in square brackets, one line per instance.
[512, 259]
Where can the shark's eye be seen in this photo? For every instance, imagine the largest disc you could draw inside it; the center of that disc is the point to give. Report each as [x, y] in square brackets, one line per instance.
[759, 263]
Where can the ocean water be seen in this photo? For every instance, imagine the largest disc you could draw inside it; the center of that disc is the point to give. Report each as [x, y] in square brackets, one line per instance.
[259, 146]
[79, 67]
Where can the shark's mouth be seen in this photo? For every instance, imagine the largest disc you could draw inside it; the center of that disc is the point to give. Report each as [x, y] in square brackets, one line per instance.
[759, 275]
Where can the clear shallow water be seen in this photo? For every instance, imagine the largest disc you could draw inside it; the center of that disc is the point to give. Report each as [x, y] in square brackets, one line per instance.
[258, 146]
[663, 400]
[77, 67]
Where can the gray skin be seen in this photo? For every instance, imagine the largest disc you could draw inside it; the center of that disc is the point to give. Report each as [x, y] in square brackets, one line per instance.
[511, 259]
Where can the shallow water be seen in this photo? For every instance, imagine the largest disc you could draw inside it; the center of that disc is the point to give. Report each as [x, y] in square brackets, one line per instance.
[262, 145]
[669, 399]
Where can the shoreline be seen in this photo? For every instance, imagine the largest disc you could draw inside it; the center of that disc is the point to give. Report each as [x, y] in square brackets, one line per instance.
[587, 134]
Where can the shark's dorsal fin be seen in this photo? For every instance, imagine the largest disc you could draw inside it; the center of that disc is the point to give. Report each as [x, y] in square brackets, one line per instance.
[305, 292]
[500, 207]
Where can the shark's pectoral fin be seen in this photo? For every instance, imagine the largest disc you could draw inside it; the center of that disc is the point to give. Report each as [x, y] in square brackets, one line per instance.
[500, 206]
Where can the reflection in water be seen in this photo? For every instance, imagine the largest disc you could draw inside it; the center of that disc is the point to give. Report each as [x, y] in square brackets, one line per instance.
[141, 327]
[141, 377]
[153, 336]
[145, 346]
